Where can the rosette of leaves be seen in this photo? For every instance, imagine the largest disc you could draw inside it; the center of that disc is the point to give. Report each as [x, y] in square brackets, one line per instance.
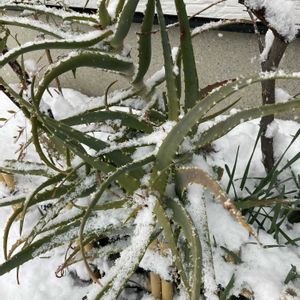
[127, 202]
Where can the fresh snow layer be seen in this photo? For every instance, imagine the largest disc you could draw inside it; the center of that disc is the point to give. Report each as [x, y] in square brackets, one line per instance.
[280, 14]
[228, 9]
[269, 38]
[262, 270]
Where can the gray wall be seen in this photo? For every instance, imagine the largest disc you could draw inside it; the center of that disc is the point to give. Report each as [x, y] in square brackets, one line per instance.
[219, 55]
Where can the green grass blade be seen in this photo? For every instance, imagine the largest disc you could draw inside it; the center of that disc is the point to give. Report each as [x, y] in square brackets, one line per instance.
[246, 172]
[231, 175]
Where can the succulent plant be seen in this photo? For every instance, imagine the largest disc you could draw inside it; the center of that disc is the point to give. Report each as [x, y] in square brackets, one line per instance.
[127, 197]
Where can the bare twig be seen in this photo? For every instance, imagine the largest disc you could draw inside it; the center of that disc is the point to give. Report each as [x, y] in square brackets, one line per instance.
[18, 70]
[256, 31]
[50, 61]
[198, 12]
[272, 62]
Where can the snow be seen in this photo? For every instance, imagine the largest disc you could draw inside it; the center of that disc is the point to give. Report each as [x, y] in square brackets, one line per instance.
[262, 271]
[197, 210]
[281, 96]
[51, 30]
[91, 36]
[228, 9]
[66, 105]
[268, 44]
[157, 263]
[280, 14]
[31, 67]
[131, 255]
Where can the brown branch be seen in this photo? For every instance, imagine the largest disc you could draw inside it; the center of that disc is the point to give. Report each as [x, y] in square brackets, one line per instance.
[272, 62]
[256, 31]
[18, 70]
[11, 98]
[50, 61]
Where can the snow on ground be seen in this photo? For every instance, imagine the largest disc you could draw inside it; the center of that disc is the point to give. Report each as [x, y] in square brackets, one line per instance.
[37, 278]
[263, 270]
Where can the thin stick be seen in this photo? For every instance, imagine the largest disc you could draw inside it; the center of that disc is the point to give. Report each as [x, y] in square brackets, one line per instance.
[198, 13]
[256, 31]
[50, 61]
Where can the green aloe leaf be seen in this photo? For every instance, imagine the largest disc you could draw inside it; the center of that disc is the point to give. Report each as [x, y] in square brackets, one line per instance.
[38, 147]
[198, 213]
[84, 59]
[7, 228]
[104, 16]
[173, 101]
[129, 259]
[144, 43]
[224, 295]
[124, 23]
[59, 237]
[225, 126]
[166, 224]
[111, 178]
[51, 181]
[126, 119]
[188, 58]
[119, 7]
[176, 136]
[12, 200]
[34, 25]
[104, 185]
[181, 217]
[26, 168]
[85, 41]
[64, 15]
[115, 156]
[74, 134]
[126, 181]
[186, 176]
[3, 40]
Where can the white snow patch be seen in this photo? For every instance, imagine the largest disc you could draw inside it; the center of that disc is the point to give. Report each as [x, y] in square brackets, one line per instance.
[280, 14]
[269, 38]
[281, 96]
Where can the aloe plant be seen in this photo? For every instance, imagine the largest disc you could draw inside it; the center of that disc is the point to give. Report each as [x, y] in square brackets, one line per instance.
[130, 192]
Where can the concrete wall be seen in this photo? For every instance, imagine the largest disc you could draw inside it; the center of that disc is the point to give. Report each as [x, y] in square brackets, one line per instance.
[219, 55]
